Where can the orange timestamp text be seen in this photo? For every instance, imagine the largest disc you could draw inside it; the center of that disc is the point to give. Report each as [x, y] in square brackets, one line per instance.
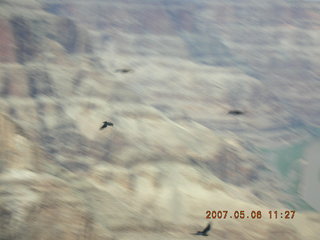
[242, 214]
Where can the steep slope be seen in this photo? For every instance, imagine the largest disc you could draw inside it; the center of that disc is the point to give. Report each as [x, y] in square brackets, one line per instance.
[32, 199]
[170, 156]
[161, 200]
[256, 54]
[63, 93]
[195, 61]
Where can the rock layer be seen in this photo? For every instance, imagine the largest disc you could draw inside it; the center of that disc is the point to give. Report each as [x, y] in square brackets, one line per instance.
[173, 152]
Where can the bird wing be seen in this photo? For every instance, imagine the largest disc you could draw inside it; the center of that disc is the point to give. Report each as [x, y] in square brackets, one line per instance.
[236, 112]
[207, 229]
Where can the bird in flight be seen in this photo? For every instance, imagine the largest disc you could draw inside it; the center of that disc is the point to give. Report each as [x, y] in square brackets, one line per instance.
[106, 124]
[235, 112]
[124, 70]
[205, 231]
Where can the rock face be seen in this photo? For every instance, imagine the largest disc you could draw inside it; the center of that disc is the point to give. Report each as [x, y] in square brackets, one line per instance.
[32, 199]
[173, 152]
[17, 151]
[266, 49]
[112, 202]
[7, 43]
[26, 41]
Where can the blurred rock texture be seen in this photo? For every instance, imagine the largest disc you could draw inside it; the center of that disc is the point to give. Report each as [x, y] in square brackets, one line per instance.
[173, 153]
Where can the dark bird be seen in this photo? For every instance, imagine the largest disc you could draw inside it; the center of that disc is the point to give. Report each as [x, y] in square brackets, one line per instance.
[205, 231]
[106, 124]
[124, 70]
[235, 112]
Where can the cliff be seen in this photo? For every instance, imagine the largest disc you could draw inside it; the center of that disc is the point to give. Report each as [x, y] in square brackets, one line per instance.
[163, 200]
[173, 152]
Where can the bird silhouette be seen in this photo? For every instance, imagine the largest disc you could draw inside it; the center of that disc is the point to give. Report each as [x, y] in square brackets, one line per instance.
[235, 112]
[205, 231]
[106, 124]
[124, 70]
